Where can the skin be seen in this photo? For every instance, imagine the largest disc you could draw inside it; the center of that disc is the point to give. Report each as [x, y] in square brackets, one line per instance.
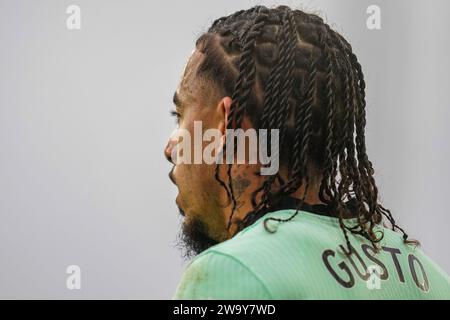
[200, 196]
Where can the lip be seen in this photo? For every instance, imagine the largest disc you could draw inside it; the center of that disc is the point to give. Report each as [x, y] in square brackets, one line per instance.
[179, 208]
[171, 177]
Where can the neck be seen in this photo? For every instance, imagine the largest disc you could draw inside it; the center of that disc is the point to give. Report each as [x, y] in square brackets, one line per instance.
[243, 190]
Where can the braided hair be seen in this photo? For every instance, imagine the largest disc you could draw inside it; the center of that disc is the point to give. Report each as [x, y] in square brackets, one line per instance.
[288, 70]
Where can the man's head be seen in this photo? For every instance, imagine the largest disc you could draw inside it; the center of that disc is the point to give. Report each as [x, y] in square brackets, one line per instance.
[269, 69]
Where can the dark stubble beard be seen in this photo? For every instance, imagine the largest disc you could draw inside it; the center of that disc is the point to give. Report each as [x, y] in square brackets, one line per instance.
[194, 238]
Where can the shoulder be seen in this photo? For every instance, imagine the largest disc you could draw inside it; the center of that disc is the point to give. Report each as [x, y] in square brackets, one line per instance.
[242, 267]
[217, 275]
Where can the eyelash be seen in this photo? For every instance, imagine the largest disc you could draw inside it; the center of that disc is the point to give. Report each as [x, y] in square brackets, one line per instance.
[175, 114]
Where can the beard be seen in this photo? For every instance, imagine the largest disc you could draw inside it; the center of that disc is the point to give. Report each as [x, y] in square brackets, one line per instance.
[194, 238]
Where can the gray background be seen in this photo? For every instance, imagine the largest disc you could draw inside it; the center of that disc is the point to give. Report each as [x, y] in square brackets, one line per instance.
[84, 119]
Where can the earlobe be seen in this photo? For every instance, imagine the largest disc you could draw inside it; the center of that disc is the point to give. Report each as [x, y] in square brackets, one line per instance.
[224, 106]
[227, 105]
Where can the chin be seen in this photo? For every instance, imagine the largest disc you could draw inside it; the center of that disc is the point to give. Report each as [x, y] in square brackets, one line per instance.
[194, 237]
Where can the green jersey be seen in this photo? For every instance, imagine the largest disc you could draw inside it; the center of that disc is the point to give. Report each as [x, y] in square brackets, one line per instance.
[305, 259]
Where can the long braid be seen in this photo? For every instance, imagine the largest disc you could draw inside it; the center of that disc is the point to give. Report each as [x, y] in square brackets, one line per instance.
[243, 88]
[274, 98]
[303, 133]
[326, 185]
[286, 91]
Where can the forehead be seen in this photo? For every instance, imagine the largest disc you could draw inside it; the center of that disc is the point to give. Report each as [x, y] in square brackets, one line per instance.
[188, 84]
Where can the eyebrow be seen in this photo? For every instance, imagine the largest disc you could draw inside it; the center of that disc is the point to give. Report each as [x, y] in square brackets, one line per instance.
[176, 100]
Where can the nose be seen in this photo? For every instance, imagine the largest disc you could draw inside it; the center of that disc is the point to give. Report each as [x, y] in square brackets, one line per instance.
[168, 150]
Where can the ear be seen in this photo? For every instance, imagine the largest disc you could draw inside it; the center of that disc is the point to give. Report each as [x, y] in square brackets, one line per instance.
[223, 109]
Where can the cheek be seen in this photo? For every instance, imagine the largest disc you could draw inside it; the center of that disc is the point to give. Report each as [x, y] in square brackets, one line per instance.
[198, 182]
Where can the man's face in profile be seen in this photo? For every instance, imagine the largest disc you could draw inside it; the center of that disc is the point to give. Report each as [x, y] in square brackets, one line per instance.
[200, 197]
